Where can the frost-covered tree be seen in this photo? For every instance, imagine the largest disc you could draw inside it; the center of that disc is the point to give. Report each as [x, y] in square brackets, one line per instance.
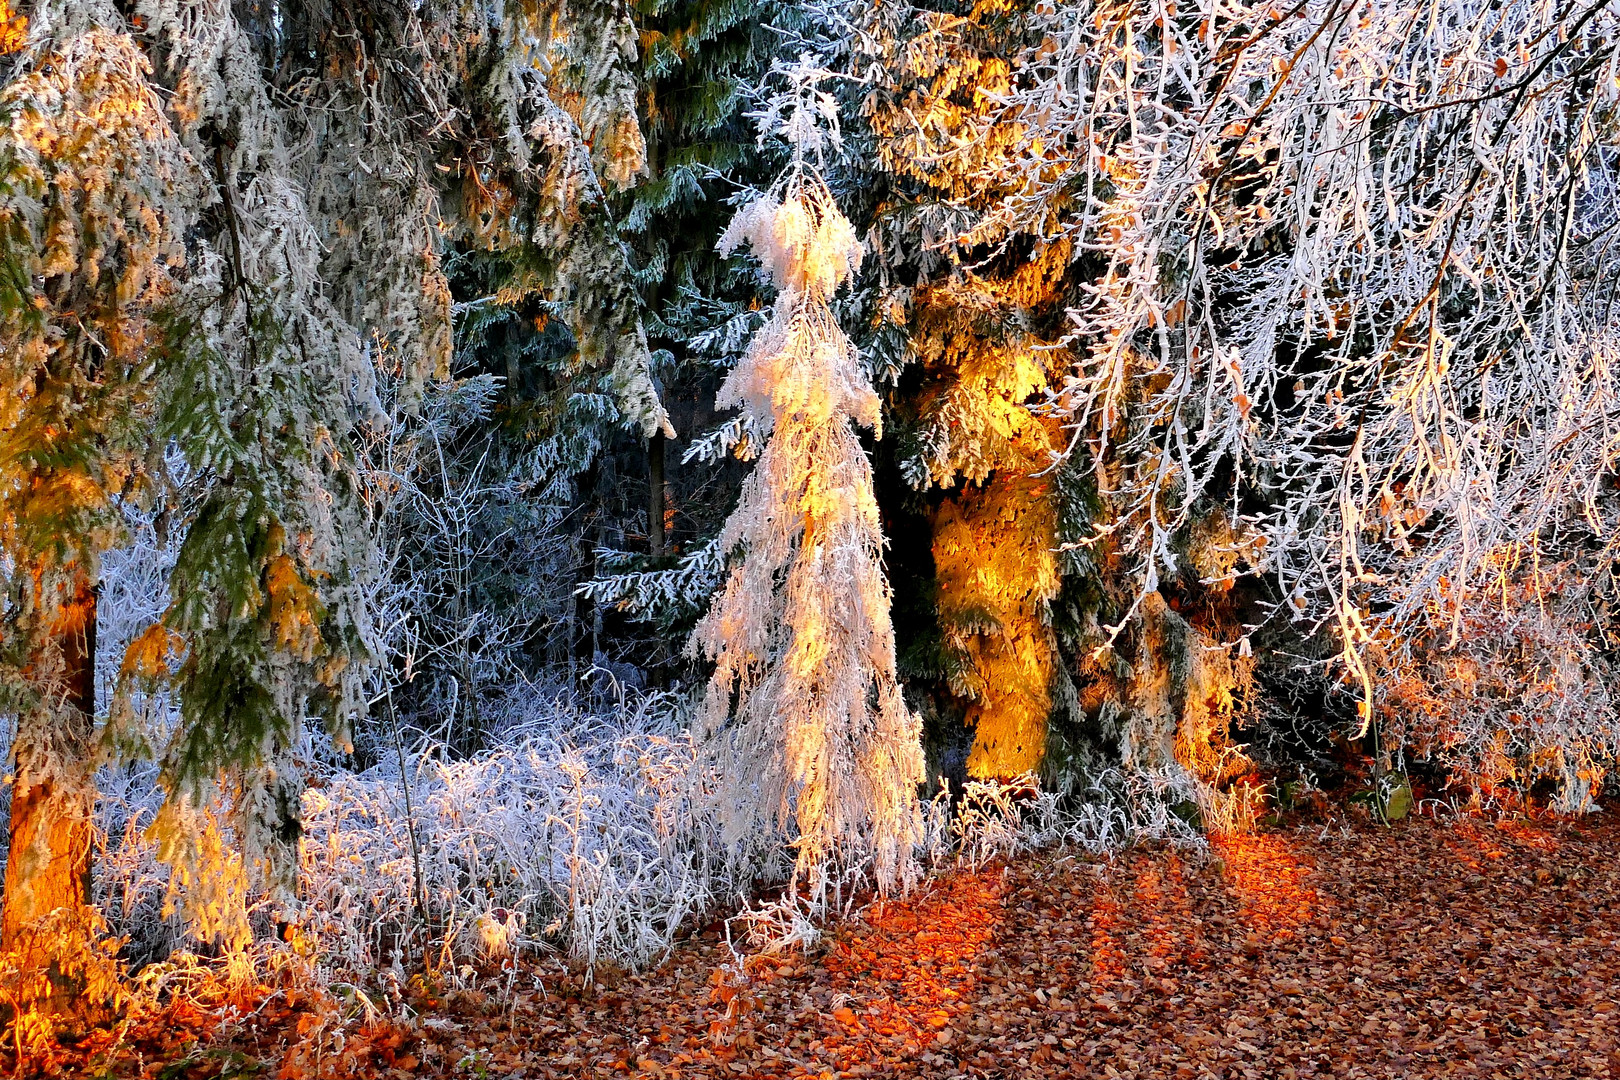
[87, 162]
[1344, 321]
[804, 711]
[214, 216]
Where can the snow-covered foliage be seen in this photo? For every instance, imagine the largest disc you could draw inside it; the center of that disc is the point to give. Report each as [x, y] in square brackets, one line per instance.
[596, 836]
[215, 216]
[1343, 269]
[993, 819]
[1524, 695]
[573, 834]
[804, 712]
[643, 593]
[472, 555]
[592, 838]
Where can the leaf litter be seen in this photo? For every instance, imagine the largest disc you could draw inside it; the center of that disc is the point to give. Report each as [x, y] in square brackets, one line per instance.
[1458, 948]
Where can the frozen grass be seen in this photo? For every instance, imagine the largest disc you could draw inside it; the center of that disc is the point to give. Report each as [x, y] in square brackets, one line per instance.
[579, 835]
[998, 819]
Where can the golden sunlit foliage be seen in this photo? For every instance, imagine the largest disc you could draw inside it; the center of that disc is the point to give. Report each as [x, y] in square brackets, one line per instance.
[993, 553]
[974, 331]
[13, 29]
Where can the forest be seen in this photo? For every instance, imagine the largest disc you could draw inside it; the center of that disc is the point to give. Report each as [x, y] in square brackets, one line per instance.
[843, 537]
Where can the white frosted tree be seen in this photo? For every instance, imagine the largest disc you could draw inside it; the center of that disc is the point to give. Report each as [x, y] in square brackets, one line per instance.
[1346, 286]
[212, 218]
[804, 713]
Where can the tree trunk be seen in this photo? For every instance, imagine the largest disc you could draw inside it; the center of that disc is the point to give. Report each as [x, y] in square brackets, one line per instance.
[993, 556]
[47, 928]
[655, 493]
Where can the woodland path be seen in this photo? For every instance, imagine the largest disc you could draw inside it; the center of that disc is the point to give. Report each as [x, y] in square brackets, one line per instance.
[1461, 948]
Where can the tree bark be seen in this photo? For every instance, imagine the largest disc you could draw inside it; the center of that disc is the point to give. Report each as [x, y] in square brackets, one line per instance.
[655, 493]
[46, 923]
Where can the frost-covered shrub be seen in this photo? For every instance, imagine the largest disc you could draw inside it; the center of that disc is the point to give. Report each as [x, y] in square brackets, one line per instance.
[1514, 689]
[591, 835]
[473, 553]
[580, 833]
[993, 819]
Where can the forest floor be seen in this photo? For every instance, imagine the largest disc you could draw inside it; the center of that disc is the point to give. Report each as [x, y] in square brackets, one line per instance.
[1457, 948]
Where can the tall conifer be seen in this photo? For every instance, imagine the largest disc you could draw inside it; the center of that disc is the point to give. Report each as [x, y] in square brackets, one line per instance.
[804, 710]
[214, 216]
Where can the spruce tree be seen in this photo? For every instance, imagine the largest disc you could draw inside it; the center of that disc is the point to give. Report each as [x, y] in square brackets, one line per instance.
[215, 216]
[700, 66]
[804, 711]
[982, 327]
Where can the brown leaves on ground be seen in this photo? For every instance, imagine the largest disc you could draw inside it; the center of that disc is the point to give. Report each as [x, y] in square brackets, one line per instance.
[1453, 949]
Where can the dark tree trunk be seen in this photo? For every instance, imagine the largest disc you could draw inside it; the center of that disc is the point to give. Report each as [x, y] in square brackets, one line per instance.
[655, 494]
